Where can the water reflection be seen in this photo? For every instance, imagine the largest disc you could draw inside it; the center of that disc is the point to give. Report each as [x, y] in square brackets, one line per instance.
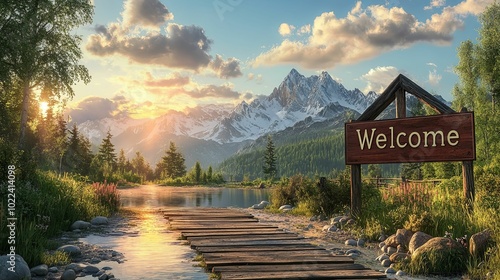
[151, 250]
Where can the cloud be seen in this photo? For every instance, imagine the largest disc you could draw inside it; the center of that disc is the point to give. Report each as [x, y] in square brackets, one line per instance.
[223, 91]
[306, 29]
[145, 13]
[226, 69]
[253, 77]
[93, 108]
[366, 33]
[431, 64]
[176, 46]
[434, 77]
[184, 47]
[285, 29]
[173, 80]
[435, 4]
[380, 77]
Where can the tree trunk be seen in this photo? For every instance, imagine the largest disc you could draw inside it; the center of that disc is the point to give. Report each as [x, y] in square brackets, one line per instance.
[24, 114]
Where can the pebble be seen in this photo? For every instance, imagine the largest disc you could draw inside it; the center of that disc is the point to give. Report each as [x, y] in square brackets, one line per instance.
[351, 242]
[386, 263]
[401, 273]
[361, 242]
[390, 270]
[69, 274]
[40, 270]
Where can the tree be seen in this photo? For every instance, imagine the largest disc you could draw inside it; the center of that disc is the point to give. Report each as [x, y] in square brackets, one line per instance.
[197, 172]
[42, 52]
[174, 163]
[106, 152]
[122, 161]
[269, 167]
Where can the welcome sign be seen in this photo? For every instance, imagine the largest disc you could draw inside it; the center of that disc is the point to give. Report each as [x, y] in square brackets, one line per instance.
[420, 139]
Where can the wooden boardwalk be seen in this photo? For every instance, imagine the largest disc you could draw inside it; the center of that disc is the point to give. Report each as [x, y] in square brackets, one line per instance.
[237, 246]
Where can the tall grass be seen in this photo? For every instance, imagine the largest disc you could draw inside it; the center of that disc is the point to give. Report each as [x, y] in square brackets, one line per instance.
[437, 210]
[47, 205]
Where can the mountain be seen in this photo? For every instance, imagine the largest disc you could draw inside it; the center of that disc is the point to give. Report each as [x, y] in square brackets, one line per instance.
[212, 133]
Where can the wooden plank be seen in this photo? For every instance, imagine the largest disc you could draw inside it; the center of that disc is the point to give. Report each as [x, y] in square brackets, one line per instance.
[230, 233]
[218, 216]
[248, 260]
[268, 254]
[232, 230]
[322, 274]
[219, 243]
[295, 267]
[222, 226]
[213, 221]
[257, 248]
[267, 236]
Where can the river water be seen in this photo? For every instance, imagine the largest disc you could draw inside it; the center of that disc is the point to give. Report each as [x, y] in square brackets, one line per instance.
[151, 250]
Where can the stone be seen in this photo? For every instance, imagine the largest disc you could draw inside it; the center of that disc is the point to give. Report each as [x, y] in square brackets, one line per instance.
[441, 255]
[381, 245]
[76, 267]
[391, 241]
[73, 250]
[79, 225]
[40, 270]
[353, 251]
[403, 237]
[361, 242]
[90, 269]
[399, 257]
[382, 257]
[351, 242]
[285, 207]
[390, 250]
[386, 263]
[257, 206]
[418, 239]
[53, 269]
[21, 271]
[336, 219]
[99, 220]
[326, 228]
[68, 274]
[264, 203]
[401, 273]
[478, 243]
[390, 270]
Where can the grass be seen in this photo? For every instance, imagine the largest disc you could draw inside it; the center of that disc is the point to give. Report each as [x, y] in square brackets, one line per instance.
[48, 204]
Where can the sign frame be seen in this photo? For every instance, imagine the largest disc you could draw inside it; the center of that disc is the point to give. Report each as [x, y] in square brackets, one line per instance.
[435, 138]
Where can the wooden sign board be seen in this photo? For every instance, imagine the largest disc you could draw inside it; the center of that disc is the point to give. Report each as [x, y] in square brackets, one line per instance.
[447, 137]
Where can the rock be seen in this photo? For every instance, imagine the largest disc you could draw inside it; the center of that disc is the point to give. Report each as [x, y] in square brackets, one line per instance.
[264, 203]
[441, 256]
[79, 225]
[386, 263]
[390, 270]
[351, 242]
[68, 274]
[418, 239]
[40, 270]
[399, 257]
[361, 242]
[478, 243]
[336, 219]
[285, 207]
[90, 269]
[381, 245]
[353, 251]
[53, 269]
[391, 241]
[403, 237]
[382, 237]
[390, 250]
[382, 257]
[21, 268]
[401, 273]
[401, 249]
[76, 267]
[257, 206]
[99, 220]
[70, 249]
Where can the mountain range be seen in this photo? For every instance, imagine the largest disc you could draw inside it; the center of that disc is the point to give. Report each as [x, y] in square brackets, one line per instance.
[211, 133]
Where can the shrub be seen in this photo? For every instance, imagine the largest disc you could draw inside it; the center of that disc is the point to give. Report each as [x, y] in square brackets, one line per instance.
[107, 195]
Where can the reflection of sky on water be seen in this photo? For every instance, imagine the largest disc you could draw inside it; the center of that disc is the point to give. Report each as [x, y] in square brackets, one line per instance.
[156, 196]
[152, 251]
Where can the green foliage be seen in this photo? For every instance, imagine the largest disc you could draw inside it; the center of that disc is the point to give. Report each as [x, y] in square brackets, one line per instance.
[320, 197]
[451, 262]
[56, 258]
[269, 168]
[172, 164]
[45, 205]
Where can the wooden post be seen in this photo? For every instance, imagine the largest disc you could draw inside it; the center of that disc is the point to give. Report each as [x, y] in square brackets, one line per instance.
[468, 183]
[355, 190]
[400, 104]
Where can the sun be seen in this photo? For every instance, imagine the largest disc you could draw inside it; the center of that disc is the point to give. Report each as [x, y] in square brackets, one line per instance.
[44, 107]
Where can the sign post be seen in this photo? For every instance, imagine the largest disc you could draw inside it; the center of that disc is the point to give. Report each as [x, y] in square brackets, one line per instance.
[445, 137]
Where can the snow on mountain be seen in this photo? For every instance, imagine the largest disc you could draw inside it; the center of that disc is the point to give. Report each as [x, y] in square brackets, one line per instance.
[317, 98]
[294, 100]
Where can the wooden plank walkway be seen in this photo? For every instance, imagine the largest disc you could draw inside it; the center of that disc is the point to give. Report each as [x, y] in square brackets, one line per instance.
[237, 246]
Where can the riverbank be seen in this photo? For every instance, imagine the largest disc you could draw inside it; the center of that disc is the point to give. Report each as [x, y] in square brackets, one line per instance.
[333, 241]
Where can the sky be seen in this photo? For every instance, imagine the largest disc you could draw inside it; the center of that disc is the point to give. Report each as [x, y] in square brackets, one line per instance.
[147, 57]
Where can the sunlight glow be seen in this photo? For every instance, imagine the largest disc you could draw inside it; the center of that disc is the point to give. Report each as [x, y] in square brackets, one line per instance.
[44, 107]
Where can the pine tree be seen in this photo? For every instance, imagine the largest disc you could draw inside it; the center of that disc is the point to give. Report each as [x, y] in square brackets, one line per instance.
[197, 172]
[122, 161]
[269, 167]
[174, 163]
[106, 152]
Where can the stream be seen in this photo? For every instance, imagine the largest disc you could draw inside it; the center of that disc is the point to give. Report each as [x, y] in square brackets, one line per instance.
[150, 249]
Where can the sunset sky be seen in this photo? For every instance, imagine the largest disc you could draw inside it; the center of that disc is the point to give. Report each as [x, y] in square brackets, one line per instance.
[150, 56]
